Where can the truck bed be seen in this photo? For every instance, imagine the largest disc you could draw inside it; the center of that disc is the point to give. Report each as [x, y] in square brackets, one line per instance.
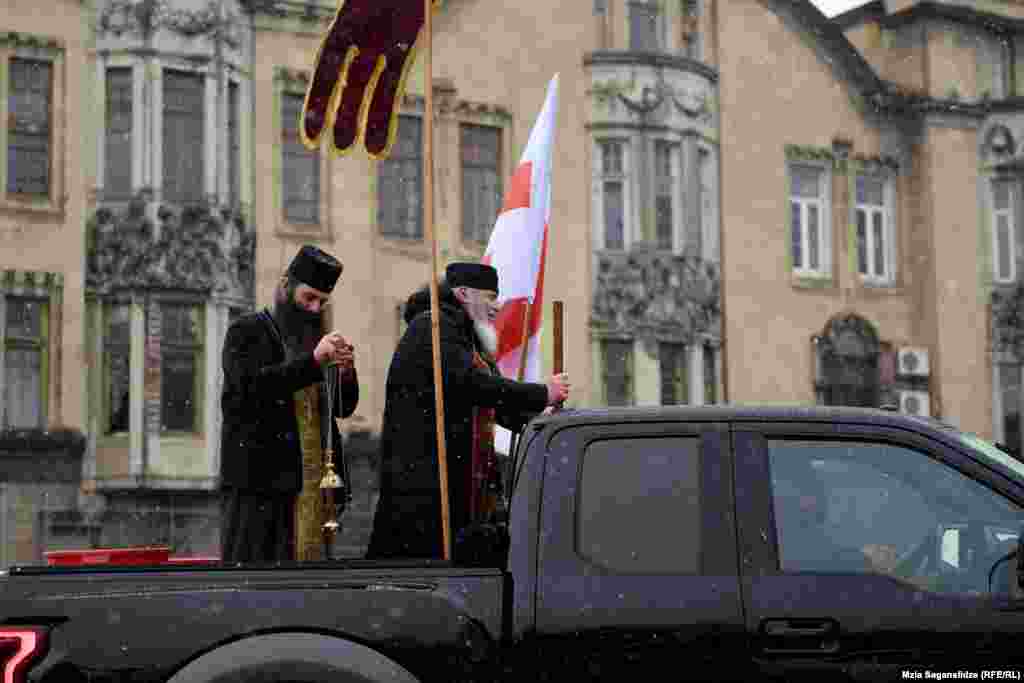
[161, 616]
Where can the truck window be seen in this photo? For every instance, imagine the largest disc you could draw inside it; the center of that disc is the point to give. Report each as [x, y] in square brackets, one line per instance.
[631, 487]
[870, 507]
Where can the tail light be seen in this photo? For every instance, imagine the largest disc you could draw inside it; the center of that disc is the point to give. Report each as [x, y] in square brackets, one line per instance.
[20, 648]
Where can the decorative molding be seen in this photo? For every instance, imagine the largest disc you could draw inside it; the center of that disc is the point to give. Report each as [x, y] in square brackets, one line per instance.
[291, 79]
[14, 39]
[446, 103]
[693, 105]
[202, 248]
[839, 154]
[654, 59]
[145, 17]
[655, 296]
[29, 281]
[999, 142]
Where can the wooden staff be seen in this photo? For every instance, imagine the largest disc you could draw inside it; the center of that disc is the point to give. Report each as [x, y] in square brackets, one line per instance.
[435, 316]
[559, 349]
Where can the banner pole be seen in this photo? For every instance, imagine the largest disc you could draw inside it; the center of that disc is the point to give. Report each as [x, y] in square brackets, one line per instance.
[435, 318]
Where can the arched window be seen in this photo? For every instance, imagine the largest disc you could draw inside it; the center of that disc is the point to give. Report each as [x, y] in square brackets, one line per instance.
[847, 363]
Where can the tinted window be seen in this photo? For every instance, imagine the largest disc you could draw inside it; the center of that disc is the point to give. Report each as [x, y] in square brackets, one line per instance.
[632, 491]
[864, 507]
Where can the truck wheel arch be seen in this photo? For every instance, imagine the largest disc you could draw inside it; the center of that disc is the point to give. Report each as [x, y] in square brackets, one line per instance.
[298, 657]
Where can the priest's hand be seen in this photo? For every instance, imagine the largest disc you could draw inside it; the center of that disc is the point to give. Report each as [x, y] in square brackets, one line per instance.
[558, 389]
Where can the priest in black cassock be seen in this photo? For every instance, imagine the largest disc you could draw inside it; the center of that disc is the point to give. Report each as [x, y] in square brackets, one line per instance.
[273, 398]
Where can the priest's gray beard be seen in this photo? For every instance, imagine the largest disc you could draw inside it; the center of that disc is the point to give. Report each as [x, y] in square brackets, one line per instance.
[487, 335]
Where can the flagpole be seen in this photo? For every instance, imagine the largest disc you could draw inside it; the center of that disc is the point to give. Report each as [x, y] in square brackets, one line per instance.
[435, 318]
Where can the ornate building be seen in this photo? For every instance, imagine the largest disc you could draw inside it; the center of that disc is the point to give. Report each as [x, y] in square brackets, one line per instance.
[828, 212]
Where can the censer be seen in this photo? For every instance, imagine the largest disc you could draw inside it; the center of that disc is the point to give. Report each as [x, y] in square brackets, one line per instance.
[331, 482]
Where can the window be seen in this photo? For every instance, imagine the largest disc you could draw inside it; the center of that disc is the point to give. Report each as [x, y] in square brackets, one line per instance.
[117, 177]
[481, 181]
[183, 139]
[1009, 385]
[706, 202]
[234, 147]
[631, 485]
[613, 182]
[24, 356]
[1003, 229]
[28, 128]
[301, 167]
[618, 373]
[180, 367]
[872, 507]
[645, 31]
[691, 29]
[117, 373]
[808, 219]
[667, 193]
[400, 183]
[710, 375]
[874, 240]
[675, 374]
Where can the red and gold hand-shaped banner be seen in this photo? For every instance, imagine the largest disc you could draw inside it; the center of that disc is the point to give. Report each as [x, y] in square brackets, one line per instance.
[359, 76]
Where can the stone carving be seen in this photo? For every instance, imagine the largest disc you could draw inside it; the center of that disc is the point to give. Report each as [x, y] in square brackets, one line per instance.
[145, 17]
[203, 248]
[849, 352]
[656, 296]
[695, 105]
[1007, 312]
[999, 141]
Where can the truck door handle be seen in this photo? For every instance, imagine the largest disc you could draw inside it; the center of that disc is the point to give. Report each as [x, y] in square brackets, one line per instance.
[799, 636]
[805, 630]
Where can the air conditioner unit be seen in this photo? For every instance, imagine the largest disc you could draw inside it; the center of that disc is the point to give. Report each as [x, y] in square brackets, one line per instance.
[912, 361]
[915, 403]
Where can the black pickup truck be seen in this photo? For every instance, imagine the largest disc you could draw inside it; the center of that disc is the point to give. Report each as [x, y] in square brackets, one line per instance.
[660, 544]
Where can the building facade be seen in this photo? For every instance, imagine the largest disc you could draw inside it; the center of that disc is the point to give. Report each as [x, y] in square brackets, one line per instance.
[827, 214]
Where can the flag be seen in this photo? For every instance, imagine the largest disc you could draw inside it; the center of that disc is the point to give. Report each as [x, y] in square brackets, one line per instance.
[518, 250]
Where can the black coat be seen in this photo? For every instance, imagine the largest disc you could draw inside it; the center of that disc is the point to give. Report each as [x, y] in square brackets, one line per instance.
[260, 448]
[408, 518]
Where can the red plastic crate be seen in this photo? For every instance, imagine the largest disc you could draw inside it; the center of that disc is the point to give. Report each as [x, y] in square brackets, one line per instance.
[108, 556]
[193, 560]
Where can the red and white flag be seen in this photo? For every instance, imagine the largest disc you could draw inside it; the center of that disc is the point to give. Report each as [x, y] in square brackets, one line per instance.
[518, 249]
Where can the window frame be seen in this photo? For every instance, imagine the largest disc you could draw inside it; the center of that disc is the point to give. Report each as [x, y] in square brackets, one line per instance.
[681, 356]
[294, 140]
[824, 204]
[660, 29]
[199, 359]
[106, 385]
[233, 143]
[675, 184]
[50, 136]
[625, 180]
[201, 76]
[888, 213]
[132, 135]
[42, 343]
[420, 230]
[467, 238]
[1010, 213]
[630, 369]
